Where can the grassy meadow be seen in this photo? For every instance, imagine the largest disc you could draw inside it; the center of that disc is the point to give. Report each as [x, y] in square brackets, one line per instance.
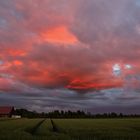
[70, 129]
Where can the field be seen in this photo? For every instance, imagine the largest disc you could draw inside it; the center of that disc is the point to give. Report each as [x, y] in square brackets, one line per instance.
[70, 129]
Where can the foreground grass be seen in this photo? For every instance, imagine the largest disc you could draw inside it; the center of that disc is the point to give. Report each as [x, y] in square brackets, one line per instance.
[70, 129]
[112, 129]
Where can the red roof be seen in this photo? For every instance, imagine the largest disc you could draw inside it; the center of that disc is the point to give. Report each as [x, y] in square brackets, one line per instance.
[6, 110]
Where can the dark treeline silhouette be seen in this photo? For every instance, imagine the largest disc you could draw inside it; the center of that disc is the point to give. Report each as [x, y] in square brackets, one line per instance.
[70, 114]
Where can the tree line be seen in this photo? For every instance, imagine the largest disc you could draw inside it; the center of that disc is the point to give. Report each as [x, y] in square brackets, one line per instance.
[70, 114]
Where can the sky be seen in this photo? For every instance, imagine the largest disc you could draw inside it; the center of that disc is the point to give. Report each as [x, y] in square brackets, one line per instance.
[70, 54]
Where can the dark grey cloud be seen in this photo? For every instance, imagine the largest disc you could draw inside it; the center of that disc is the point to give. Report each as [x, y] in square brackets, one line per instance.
[41, 99]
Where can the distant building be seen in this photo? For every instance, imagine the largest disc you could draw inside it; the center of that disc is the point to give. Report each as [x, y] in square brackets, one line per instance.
[6, 111]
[16, 116]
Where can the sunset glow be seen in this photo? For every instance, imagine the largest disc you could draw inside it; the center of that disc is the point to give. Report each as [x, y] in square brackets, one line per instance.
[59, 35]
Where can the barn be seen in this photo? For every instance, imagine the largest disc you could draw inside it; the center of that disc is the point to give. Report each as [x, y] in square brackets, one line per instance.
[6, 111]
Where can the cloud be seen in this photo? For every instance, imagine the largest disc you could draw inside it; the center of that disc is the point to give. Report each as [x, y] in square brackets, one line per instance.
[71, 47]
[48, 100]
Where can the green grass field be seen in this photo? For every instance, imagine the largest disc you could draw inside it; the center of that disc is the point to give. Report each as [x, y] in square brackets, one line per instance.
[70, 129]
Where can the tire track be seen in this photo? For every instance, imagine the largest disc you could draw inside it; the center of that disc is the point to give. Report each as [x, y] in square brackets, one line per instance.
[54, 126]
[35, 128]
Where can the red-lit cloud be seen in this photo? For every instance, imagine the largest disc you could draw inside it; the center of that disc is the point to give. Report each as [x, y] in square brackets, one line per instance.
[34, 54]
[53, 36]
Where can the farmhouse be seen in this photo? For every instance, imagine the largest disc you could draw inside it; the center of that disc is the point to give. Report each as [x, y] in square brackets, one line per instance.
[6, 111]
